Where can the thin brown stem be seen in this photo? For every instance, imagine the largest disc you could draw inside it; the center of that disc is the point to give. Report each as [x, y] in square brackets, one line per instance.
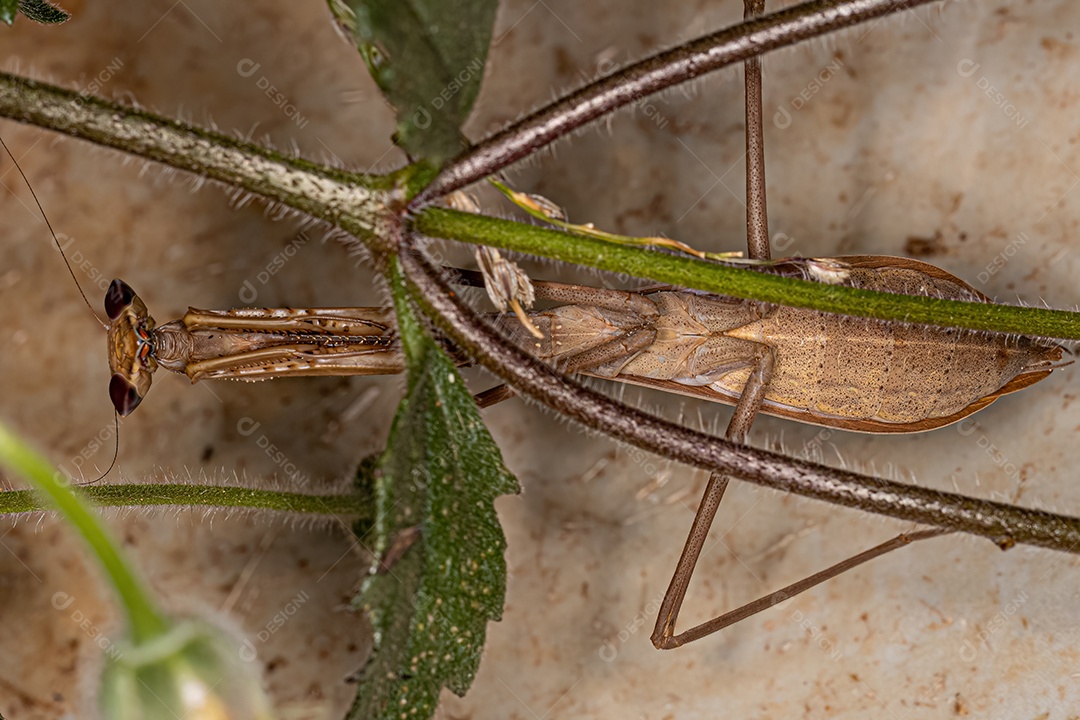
[651, 75]
[358, 203]
[1002, 523]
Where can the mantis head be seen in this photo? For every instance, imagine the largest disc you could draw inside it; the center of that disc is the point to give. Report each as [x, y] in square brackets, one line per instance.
[131, 347]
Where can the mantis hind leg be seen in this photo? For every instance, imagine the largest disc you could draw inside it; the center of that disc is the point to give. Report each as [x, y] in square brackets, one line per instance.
[664, 636]
[758, 248]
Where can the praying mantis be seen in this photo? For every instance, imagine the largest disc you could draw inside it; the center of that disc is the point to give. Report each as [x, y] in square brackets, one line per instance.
[850, 373]
[973, 273]
[854, 374]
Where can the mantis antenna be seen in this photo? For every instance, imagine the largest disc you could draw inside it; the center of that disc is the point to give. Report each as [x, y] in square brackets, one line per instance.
[116, 447]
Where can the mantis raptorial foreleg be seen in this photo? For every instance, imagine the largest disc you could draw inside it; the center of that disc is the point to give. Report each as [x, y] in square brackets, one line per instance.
[621, 347]
[569, 294]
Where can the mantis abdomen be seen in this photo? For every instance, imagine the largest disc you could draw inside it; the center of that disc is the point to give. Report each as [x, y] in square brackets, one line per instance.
[853, 373]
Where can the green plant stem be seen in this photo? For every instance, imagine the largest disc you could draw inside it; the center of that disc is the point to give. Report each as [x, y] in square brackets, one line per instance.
[366, 205]
[357, 203]
[742, 283]
[144, 619]
[1004, 524]
[151, 494]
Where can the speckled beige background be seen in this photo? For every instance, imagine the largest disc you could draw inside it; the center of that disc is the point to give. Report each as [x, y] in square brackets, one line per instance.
[950, 131]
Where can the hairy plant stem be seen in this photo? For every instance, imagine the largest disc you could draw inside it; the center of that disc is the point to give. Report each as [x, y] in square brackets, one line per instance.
[357, 203]
[368, 207]
[355, 506]
[1002, 523]
[653, 74]
[688, 272]
[146, 622]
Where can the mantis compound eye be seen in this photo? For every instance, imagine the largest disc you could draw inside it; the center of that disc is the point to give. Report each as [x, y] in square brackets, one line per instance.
[124, 395]
[117, 297]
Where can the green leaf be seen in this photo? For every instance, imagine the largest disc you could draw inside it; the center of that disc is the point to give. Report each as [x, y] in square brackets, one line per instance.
[37, 10]
[441, 574]
[428, 58]
[688, 272]
[8, 10]
[144, 619]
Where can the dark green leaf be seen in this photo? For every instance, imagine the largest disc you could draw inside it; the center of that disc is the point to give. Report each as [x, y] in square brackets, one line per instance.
[37, 10]
[428, 57]
[8, 10]
[441, 575]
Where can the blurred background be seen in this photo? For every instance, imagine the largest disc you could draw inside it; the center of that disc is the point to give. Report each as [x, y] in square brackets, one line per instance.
[946, 133]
